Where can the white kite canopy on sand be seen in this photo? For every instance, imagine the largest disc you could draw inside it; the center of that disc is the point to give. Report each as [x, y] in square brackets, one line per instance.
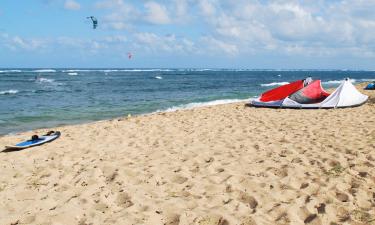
[313, 96]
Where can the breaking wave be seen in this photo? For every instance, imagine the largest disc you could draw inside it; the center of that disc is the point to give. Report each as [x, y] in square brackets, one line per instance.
[330, 82]
[42, 80]
[202, 104]
[44, 71]
[10, 71]
[145, 70]
[338, 81]
[73, 74]
[274, 84]
[8, 92]
[117, 70]
[76, 70]
[45, 80]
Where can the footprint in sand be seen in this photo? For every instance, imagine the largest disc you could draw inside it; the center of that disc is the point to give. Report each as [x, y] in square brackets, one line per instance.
[342, 197]
[248, 221]
[247, 199]
[282, 219]
[171, 219]
[178, 179]
[28, 219]
[213, 220]
[124, 200]
[307, 217]
[110, 173]
[342, 214]
[101, 207]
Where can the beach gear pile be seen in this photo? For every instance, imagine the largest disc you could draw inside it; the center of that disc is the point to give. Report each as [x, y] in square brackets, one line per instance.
[309, 94]
[370, 86]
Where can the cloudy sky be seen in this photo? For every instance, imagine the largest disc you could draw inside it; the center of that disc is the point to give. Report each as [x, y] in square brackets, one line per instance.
[272, 34]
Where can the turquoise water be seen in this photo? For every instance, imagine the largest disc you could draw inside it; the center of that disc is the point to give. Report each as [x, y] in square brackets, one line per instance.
[34, 98]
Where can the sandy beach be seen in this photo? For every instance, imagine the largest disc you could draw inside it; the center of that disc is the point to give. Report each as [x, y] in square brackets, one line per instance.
[217, 165]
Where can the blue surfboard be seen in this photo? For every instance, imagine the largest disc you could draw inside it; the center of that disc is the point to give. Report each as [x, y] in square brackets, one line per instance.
[35, 141]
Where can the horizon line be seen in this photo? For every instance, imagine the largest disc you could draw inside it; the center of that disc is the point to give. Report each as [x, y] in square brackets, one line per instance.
[199, 68]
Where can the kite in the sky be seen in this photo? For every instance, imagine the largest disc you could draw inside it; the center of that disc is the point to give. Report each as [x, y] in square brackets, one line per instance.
[130, 55]
[94, 22]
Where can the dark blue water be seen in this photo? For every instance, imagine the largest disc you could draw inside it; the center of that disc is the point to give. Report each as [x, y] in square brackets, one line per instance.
[35, 98]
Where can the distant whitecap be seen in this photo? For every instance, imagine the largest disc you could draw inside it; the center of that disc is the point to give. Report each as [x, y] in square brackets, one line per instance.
[9, 92]
[274, 84]
[46, 81]
[338, 81]
[44, 71]
[10, 71]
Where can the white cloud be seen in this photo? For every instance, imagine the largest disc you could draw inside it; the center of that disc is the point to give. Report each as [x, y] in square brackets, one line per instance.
[276, 27]
[122, 15]
[72, 5]
[127, 15]
[181, 11]
[115, 39]
[109, 4]
[15, 43]
[207, 7]
[111, 43]
[156, 13]
[152, 42]
[284, 26]
[219, 46]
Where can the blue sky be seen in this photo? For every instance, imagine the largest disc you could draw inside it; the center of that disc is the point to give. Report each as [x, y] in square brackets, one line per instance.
[311, 34]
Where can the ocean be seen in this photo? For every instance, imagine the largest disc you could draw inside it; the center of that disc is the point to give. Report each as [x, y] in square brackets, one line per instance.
[33, 98]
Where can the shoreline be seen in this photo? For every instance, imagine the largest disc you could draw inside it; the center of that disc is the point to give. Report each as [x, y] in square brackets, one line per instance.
[54, 92]
[187, 106]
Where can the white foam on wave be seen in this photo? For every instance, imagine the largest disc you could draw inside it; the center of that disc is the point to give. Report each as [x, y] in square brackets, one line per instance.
[89, 70]
[274, 84]
[9, 92]
[158, 77]
[367, 80]
[44, 71]
[76, 70]
[73, 74]
[108, 71]
[145, 70]
[45, 80]
[42, 80]
[338, 81]
[117, 70]
[198, 70]
[202, 104]
[10, 71]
